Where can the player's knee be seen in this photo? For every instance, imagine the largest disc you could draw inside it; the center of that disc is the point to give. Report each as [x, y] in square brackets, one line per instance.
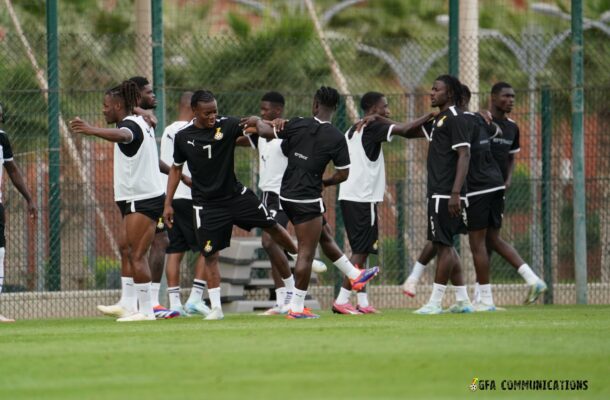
[266, 242]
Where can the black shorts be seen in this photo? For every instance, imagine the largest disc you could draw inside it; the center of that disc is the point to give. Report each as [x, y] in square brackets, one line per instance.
[485, 210]
[182, 235]
[215, 219]
[442, 227]
[152, 208]
[271, 200]
[361, 226]
[299, 213]
[2, 222]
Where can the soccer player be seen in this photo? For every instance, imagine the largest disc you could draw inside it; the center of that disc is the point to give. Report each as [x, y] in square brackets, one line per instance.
[182, 235]
[6, 158]
[220, 200]
[272, 164]
[365, 187]
[156, 257]
[504, 147]
[138, 191]
[310, 144]
[447, 163]
[485, 193]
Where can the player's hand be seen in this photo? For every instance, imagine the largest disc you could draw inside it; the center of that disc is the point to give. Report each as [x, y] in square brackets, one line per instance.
[32, 210]
[454, 205]
[508, 182]
[168, 216]
[279, 124]
[186, 180]
[148, 115]
[249, 122]
[77, 125]
[361, 124]
[486, 116]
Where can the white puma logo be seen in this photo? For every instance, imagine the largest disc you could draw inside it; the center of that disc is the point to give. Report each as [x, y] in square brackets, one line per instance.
[191, 142]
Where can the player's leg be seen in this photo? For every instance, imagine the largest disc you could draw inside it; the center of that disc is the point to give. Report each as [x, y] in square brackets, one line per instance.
[156, 262]
[360, 219]
[281, 274]
[308, 236]
[2, 252]
[409, 287]
[510, 254]
[358, 279]
[172, 272]
[195, 303]
[213, 278]
[140, 231]
[128, 303]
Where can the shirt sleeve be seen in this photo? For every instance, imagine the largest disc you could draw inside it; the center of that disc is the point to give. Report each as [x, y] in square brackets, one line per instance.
[179, 156]
[341, 155]
[7, 151]
[167, 147]
[378, 132]
[515, 147]
[460, 131]
[131, 148]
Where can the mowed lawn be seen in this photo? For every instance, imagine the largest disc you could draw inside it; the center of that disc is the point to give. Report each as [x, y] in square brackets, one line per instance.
[394, 355]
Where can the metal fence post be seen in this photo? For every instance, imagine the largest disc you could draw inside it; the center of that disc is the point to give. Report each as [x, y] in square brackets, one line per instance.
[546, 128]
[400, 232]
[578, 154]
[54, 267]
[454, 41]
[158, 71]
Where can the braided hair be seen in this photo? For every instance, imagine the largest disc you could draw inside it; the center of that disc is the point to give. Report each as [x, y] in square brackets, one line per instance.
[127, 91]
[327, 96]
[454, 86]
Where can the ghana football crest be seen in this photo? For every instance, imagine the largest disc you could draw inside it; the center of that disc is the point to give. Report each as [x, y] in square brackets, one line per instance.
[208, 247]
[376, 245]
[441, 121]
[218, 135]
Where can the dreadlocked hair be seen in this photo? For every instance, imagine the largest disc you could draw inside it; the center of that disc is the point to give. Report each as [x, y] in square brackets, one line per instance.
[327, 96]
[455, 88]
[129, 92]
[204, 96]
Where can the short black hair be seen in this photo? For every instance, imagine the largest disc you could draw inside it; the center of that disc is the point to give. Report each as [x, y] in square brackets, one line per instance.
[140, 81]
[497, 87]
[369, 99]
[455, 87]
[327, 96]
[204, 96]
[129, 92]
[274, 97]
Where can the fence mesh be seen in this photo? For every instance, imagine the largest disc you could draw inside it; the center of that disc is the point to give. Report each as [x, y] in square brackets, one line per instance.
[288, 56]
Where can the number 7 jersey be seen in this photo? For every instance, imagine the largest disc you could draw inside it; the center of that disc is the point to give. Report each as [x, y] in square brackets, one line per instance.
[210, 156]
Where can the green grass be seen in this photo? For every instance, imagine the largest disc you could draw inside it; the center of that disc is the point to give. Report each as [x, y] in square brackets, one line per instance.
[395, 355]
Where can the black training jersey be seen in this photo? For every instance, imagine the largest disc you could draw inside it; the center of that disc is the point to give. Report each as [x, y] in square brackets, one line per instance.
[209, 154]
[450, 131]
[6, 154]
[310, 145]
[505, 143]
[484, 175]
[373, 135]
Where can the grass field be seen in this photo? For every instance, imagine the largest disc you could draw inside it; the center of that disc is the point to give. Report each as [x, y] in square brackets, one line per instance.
[394, 355]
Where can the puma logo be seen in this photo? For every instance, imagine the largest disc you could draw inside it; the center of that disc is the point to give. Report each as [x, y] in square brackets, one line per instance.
[191, 142]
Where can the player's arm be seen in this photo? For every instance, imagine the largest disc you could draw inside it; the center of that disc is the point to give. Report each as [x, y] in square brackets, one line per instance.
[148, 115]
[115, 135]
[339, 176]
[264, 129]
[460, 178]
[15, 174]
[515, 148]
[173, 178]
[412, 129]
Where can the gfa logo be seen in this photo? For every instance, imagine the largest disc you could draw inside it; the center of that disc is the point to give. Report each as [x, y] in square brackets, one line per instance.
[485, 384]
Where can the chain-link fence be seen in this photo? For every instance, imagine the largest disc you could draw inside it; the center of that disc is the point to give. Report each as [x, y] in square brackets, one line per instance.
[290, 57]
